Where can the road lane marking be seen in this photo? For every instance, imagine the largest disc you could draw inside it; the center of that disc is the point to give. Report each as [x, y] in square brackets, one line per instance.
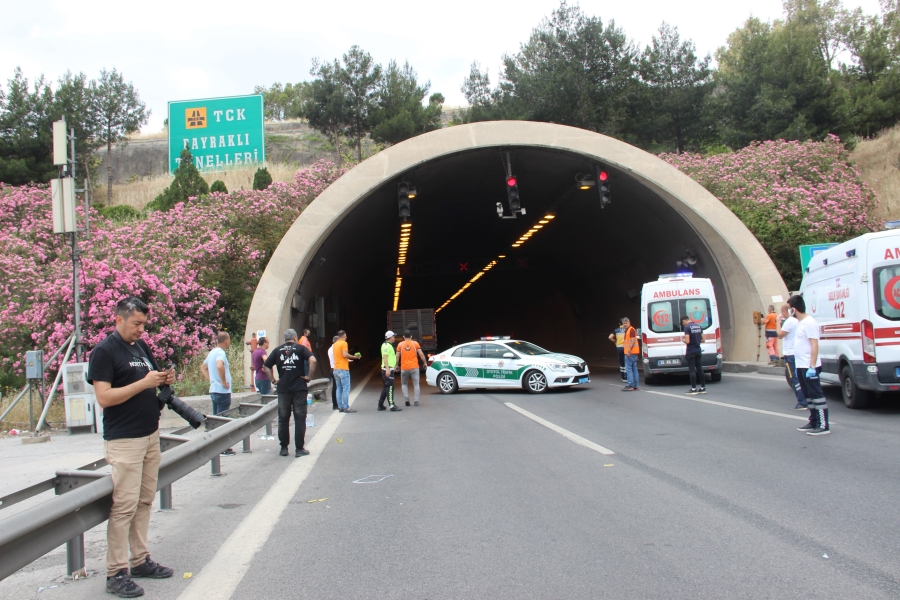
[726, 405]
[224, 572]
[563, 432]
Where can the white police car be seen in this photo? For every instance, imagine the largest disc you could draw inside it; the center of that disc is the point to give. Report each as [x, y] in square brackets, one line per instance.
[497, 363]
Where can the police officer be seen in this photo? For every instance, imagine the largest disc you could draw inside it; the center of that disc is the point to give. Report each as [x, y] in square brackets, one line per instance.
[388, 363]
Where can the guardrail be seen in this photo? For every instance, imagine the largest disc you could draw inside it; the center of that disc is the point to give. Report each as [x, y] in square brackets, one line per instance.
[84, 497]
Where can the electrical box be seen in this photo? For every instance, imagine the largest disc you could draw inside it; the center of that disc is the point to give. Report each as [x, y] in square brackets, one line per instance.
[34, 364]
[79, 396]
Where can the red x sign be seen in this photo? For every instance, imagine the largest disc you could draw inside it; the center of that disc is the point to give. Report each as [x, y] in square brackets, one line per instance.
[463, 267]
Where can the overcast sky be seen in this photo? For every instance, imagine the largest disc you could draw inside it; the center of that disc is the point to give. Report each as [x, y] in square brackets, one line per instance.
[199, 48]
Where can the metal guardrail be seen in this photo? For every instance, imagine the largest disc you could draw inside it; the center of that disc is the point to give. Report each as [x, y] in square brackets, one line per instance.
[84, 497]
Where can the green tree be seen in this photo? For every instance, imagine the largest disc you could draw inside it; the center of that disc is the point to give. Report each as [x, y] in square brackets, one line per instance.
[572, 70]
[119, 112]
[187, 184]
[398, 113]
[360, 76]
[676, 87]
[73, 101]
[485, 103]
[218, 186]
[262, 179]
[26, 131]
[282, 102]
[326, 105]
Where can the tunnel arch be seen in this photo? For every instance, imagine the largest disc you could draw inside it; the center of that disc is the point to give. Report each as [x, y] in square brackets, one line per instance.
[746, 276]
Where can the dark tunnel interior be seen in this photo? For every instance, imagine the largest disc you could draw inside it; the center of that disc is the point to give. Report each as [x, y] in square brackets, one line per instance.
[563, 289]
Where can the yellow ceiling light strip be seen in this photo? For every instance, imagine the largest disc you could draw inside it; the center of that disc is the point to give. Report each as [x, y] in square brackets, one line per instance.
[468, 284]
[533, 230]
[403, 247]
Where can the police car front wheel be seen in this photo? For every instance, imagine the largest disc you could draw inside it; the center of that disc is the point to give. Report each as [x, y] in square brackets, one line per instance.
[535, 382]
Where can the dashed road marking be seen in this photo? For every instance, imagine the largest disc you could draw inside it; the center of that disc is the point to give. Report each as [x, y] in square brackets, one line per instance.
[563, 432]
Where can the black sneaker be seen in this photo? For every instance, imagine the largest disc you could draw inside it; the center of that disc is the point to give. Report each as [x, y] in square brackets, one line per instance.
[692, 392]
[799, 406]
[283, 451]
[701, 391]
[382, 408]
[807, 427]
[349, 410]
[416, 402]
[152, 570]
[818, 431]
[123, 586]
[301, 452]
[396, 409]
[340, 410]
[228, 452]
[407, 402]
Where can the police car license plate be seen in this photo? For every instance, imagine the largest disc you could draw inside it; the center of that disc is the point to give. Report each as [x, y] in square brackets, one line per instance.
[670, 361]
[583, 379]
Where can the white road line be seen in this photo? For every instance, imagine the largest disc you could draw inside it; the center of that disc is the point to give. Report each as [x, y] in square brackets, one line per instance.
[222, 574]
[713, 402]
[756, 376]
[563, 432]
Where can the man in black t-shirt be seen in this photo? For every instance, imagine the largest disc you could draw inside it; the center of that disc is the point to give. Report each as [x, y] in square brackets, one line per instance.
[125, 377]
[693, 354]
[290, 358]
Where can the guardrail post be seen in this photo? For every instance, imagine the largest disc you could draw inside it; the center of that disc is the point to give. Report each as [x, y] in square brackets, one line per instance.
[246, 445]
[75, 557]
[216, 466]
[269, 428]
[165, 497]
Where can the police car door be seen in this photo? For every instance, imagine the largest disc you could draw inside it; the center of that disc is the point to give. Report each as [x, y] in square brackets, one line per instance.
[499, 371]
[466, 362]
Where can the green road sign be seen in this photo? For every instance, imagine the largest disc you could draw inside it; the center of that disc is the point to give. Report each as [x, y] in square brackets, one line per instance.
[810, 250]
[221, 133]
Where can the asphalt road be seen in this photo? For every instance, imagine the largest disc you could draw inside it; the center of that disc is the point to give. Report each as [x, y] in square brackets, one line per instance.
[700, 498]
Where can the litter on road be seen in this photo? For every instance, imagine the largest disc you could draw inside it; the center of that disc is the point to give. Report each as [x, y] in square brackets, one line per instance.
[372, 479]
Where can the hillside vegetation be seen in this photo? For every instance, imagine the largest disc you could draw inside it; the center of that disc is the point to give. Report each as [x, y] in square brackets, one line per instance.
[878, 161]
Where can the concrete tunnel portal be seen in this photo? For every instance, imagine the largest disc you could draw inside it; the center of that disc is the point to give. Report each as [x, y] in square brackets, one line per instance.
[563, 288]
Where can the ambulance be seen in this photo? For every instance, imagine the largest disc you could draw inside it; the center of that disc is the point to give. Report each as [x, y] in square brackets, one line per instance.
[853, 292]
[663, 303]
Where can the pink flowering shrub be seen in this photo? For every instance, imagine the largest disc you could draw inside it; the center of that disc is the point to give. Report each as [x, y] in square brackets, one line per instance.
[196, 266]
[788, 194]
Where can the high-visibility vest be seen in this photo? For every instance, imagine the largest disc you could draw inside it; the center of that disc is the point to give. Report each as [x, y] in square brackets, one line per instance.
[631, 342]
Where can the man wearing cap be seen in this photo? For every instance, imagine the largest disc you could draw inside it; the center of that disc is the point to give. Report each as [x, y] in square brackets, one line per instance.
[290, 358]
[388, 363]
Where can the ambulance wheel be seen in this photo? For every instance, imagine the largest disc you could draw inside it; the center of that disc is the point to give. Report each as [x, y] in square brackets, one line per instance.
[535, 382]
[447, 383]
[715, 376]
[853, 396]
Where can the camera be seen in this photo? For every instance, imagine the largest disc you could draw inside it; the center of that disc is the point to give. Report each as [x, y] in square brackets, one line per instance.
[167, 397]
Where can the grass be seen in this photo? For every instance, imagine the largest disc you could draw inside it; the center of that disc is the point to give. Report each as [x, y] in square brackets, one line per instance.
[878, 160]
[138, 193]
[18, 417]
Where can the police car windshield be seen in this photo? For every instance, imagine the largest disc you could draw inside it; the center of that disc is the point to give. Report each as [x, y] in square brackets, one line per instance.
[527, 348]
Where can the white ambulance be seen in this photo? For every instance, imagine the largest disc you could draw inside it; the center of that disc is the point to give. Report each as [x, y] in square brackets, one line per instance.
[853, 291]
[663, 303]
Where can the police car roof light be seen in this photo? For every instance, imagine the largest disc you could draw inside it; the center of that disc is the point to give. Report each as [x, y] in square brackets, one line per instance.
[673, 275]
[488, 338]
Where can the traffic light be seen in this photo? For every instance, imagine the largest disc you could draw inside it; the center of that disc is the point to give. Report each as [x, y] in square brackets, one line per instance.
[512, 193]
[604, 188]
[405, 193]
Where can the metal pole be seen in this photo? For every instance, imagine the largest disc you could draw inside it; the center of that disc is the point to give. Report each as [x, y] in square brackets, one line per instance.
[246, 446]
[55, 383]
[30, 406]
[75, 556]
[76, 294]
[165, 498]
[216, 466]
[269, 428]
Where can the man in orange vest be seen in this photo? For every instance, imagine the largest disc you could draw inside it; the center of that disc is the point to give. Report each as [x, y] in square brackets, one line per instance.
[632, 354]
[408, 355]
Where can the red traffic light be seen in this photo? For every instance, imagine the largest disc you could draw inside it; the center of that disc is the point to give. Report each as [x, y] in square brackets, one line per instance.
[511, 181]
[603, 176]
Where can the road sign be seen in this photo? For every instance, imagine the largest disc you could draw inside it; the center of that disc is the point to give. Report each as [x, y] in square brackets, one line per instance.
[221, 133]
[810, 250]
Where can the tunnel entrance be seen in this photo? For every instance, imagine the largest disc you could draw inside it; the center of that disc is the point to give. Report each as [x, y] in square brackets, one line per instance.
[564, 287]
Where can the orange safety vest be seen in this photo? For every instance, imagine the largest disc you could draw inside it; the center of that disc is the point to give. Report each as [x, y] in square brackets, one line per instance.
[631, 342]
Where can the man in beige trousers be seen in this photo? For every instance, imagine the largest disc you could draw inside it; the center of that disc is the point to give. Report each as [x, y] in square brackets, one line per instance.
[125, 377]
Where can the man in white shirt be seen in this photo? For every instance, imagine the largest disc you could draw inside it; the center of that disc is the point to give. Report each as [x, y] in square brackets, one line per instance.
[806, 356]
[786, 329]
[334, 404]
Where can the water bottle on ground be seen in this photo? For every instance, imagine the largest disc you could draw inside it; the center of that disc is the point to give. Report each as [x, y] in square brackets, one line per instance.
[310, 420]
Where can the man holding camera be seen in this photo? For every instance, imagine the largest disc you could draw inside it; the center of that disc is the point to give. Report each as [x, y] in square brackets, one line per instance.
[125, 377]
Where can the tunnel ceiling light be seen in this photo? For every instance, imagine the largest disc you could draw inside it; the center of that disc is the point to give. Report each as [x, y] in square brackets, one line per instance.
[475, 278]
[543, 221]
[549, 216]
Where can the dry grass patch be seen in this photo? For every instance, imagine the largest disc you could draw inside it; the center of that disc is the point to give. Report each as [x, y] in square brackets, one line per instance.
[138, 193]
[878, 161]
